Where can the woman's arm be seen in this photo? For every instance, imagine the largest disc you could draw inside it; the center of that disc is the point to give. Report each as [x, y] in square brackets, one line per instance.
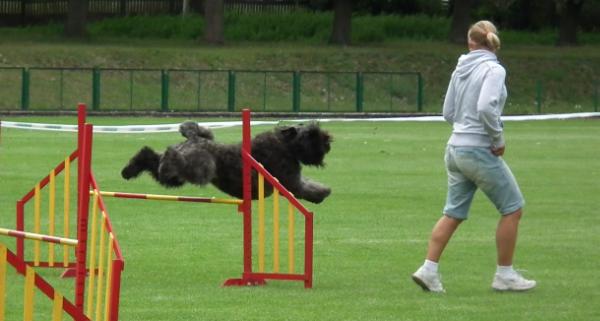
[488, 104]
[449, 109]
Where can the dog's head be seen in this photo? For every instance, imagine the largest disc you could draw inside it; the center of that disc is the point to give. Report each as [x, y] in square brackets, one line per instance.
[309, 143]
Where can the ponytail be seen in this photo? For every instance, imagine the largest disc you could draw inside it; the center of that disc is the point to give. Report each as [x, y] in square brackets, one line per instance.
[485, 34]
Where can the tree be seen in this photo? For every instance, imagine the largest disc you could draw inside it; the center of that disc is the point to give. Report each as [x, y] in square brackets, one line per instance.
[342, 22]
[75, 26]
[569, 14]
[196, 6]
[461, 20]
[214, 21]
[185, 8]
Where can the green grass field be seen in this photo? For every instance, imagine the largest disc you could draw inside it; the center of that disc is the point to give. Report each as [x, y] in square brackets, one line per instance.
[389, 186]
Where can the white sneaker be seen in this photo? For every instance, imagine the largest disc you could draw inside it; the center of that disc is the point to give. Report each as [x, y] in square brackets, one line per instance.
[429, 281]
[513, 282]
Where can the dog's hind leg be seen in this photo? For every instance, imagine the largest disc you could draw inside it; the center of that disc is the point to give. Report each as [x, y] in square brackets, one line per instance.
[145, 160]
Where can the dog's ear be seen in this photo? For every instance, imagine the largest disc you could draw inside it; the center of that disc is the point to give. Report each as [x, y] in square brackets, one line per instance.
[288, 133]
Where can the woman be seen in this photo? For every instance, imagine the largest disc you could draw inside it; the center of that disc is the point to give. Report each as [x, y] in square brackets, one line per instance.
[473, 105]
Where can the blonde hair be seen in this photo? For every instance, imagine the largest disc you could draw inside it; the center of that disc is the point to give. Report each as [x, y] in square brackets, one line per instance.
[485, 34]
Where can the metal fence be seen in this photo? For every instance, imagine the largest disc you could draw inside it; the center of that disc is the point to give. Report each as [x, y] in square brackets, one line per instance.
[25, 12]
[186, 90]
[245, 6]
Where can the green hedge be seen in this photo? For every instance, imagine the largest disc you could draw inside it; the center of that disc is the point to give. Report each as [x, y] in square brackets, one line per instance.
[302, 26]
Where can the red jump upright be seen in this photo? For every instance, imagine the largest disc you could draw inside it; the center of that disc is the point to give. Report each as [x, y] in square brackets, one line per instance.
[250, 275]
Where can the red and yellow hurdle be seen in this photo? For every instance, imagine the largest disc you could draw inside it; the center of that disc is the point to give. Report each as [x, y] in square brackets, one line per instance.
[98, 261]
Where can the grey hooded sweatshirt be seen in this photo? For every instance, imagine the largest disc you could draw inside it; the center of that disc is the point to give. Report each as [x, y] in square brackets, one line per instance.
[475, 100]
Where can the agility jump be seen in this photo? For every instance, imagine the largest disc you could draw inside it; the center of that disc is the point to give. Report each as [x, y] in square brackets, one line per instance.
[256, 275]
[96, 264]
[94, 257]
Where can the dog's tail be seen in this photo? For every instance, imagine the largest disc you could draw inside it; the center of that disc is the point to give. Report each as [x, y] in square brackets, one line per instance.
[190, 129]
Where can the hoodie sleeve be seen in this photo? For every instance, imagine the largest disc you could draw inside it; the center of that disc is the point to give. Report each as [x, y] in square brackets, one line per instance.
[449, 109]
[488, 104]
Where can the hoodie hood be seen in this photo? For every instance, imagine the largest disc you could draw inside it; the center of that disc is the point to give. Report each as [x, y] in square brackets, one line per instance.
[469, 62]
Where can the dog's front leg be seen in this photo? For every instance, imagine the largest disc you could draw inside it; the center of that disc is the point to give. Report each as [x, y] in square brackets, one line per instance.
[145, 160]
[311, 191]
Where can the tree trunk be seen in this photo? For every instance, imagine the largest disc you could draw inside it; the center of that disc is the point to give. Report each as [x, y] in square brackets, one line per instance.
[75, 26]
[197, 6]
[185, 8]
[461, 20]
[570, 11]
[342, 22]
[214, 21]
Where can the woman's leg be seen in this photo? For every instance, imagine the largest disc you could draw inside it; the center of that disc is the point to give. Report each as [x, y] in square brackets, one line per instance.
[427, 275]
[440, 235]
[506, 278]
[506, 237]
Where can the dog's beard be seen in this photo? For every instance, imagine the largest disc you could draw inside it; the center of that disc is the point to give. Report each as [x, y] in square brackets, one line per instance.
[313, 159]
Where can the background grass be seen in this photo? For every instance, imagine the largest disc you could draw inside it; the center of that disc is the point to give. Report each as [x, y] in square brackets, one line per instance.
[568, 76]
[388, 186]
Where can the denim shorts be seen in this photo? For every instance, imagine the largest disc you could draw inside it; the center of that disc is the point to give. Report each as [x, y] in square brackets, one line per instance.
[470, 168]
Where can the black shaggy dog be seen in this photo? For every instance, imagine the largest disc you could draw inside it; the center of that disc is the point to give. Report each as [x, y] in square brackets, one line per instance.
[200, 160]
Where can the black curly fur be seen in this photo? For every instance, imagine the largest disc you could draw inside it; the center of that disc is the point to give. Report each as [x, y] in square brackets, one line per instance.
[200, 160]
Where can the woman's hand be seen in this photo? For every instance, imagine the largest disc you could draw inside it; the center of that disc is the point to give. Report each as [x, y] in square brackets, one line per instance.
[498, 151]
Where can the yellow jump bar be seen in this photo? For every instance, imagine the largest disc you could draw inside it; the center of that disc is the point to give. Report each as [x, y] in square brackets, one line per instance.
[174, 198]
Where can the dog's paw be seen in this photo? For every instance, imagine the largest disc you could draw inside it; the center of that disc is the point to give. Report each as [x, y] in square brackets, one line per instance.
[129, 172]
[318, 196]
[323, 196]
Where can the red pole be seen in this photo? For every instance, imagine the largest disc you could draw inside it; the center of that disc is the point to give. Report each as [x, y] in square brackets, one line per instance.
[81, 115]
[247, 178]
[85, 156]
[115, 289]
[20, 227]
[308, 252]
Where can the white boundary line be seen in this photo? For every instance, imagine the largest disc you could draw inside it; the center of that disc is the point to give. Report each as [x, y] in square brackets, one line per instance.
[167, 128]
[130, 129]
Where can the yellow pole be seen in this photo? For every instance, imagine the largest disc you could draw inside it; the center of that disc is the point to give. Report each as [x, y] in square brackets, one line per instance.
[36, 204]
[291, 237]
[2, 279]
[51, 196]
[67, 206]
[175, 198]
[107, 296]
[90, 294]
[100, 266]
[275, 230]
[29, 294]
[261, 223]
[57, 307]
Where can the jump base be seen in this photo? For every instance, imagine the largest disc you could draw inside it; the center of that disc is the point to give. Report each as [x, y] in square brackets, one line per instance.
[245, 282]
